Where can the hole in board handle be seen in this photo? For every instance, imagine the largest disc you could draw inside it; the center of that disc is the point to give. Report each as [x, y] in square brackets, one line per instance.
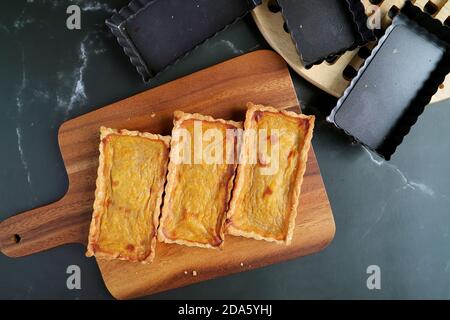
[16, 238]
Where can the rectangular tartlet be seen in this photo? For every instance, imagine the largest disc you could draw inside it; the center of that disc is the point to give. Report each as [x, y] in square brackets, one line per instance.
[198, 190]
[130, 183]
[397, 81]
[157, 33]
[264, 204]
[325, 29]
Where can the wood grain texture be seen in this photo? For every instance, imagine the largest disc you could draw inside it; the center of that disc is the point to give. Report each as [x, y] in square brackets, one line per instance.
[330, 76]
[221, 91]
[174, 265]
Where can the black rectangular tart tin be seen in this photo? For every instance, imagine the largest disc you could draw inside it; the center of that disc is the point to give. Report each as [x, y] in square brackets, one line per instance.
[156, 33]
[323, 29]
[396, 82]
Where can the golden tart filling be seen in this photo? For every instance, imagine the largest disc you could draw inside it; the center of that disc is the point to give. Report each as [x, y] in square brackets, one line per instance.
[130, 183]
[268, 182]
[200, 180]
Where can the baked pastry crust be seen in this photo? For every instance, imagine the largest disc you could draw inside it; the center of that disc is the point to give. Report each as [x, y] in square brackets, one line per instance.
[188, 233]
[235, 215]
[130, 252]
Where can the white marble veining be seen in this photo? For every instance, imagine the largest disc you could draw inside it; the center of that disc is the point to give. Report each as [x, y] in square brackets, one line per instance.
[71, 92]
[407, 184]
[378, 162]
[377, 220]
[22, 22]
[230, 45]
[41, 94]
[22, 154]
[23, 84]
[423, 188]
[78, 92]
[255, 47]
[95, 6]
[84, 4]
[100, 51]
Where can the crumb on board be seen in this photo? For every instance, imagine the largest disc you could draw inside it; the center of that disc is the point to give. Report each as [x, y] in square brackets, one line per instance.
[185, 272]
[242, 264]
[194, 273]
[153, 115]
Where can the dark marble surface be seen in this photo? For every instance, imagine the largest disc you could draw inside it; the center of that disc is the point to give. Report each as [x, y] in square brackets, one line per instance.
[395, 215]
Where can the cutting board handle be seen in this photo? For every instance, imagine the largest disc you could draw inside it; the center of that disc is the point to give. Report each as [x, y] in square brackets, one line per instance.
[65, 221]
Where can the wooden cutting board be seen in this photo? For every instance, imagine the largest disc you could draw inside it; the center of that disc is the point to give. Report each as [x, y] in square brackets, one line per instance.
[221, 91]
